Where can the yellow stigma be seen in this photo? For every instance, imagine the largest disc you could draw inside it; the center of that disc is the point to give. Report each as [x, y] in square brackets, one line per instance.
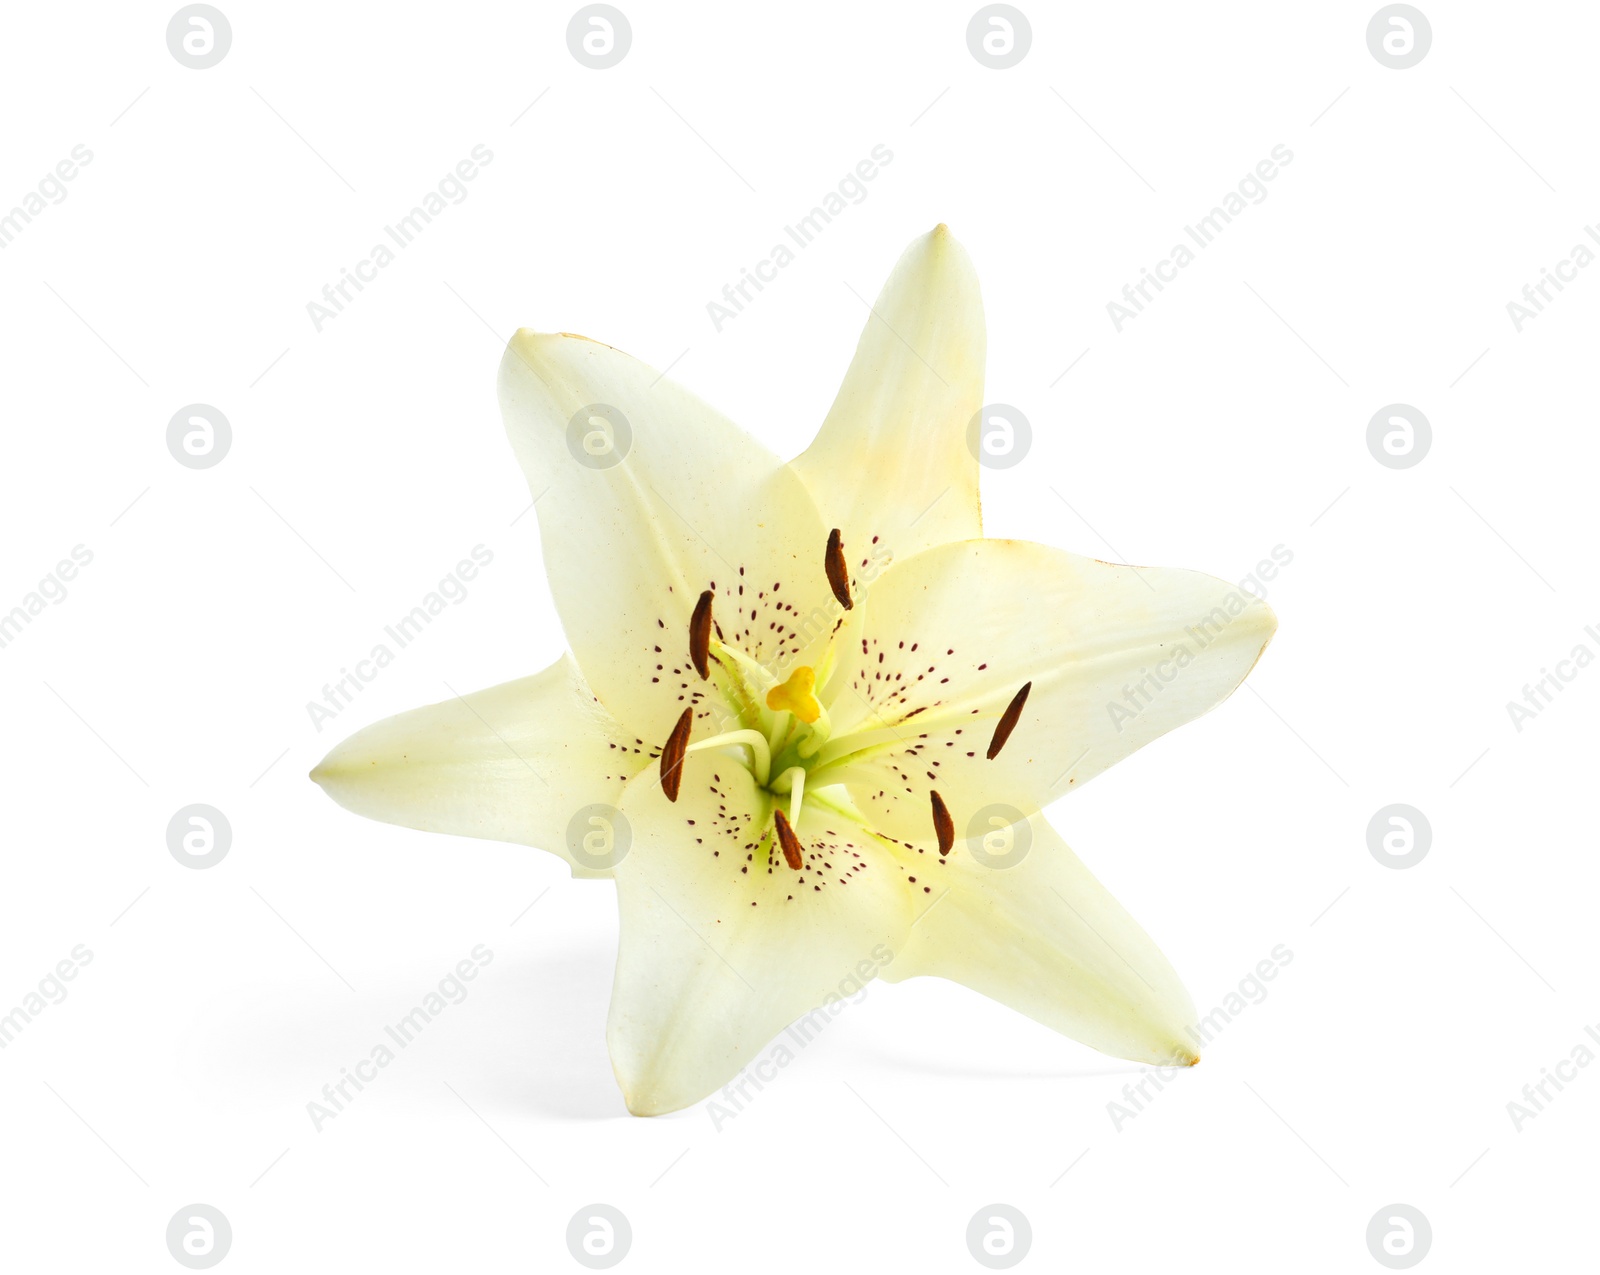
[797, 696]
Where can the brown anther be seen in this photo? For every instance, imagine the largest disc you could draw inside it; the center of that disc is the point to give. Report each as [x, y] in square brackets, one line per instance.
[838, 573]
[1008, 721]
[700, 636]
[793, 854]
[943, 825]
[672, 754]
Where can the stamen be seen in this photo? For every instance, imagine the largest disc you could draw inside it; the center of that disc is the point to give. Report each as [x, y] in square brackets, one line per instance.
[838, 573]
[1008, 721]
[943, 825]
[700, 636]
[793, 854]
[753, 739]
[672, 755]
[792, 781]
[861, 742]
[758, 673]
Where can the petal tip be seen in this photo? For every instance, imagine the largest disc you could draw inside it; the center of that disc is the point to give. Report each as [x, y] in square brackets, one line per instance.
[941, 246]
[330, 774]
[327, 770]
[640, 1106]
[641, 1094]
[529, 337]
[1266, 627]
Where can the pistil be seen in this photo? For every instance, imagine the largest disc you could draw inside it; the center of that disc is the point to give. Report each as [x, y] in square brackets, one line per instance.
[797, 695]
[778, 736]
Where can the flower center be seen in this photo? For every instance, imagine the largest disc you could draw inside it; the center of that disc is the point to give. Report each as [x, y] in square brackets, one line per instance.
[777, 729]
[779, 733]
[780, 730]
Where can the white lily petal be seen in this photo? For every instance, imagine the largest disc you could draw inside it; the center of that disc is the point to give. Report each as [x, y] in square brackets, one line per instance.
[515, 762]
[892, 459]
[721, 949]
[1045, 938]
[684, 501]
[1116, 656]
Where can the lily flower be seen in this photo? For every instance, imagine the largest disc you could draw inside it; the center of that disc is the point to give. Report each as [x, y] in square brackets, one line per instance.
[814, 715]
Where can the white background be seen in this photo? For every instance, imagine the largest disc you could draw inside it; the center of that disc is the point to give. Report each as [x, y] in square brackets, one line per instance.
[368, 458]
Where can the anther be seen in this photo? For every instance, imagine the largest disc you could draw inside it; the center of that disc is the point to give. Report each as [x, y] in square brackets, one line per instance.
[943, 825]
[672, 755]
[700, 636]
[838, 574]
[1008, 721]
[793, 855]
